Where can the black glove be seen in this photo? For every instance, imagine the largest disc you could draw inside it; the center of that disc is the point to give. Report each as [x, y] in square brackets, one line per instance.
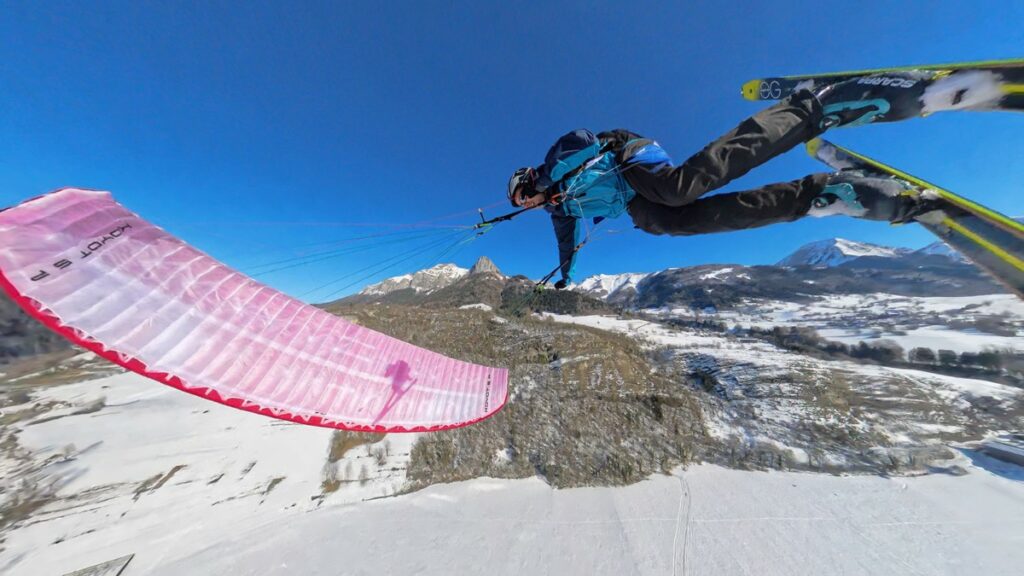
[561, 284]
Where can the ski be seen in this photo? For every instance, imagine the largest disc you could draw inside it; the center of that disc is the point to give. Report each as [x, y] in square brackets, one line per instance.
[842, 158]
[985, 85]
[991, 240]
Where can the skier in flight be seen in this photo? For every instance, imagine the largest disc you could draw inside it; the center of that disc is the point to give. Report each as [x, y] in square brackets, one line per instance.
[586, 177]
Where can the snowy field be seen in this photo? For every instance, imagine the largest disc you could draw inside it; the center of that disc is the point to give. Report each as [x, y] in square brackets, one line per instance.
[237, 493]
[910, 322]
[934, 337]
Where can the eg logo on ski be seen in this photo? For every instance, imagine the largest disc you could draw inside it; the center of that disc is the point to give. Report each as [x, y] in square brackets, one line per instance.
[771, 90]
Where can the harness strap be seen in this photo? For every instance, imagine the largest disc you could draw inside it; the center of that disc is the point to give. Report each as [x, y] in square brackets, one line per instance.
[555, 198]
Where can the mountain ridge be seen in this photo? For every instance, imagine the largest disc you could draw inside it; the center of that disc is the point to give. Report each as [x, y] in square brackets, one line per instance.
[836, 251]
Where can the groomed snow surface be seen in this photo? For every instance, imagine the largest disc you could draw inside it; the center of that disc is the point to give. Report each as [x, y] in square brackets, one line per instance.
[225, 511]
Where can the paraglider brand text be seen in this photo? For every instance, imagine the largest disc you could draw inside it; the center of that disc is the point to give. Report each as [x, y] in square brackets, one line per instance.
[487, 395]
[85, 252]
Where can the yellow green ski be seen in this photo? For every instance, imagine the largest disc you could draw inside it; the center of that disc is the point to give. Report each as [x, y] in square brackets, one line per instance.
[989, 239]
[982, 85]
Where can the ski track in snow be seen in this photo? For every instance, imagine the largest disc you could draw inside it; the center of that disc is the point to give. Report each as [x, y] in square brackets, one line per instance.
[684, 495]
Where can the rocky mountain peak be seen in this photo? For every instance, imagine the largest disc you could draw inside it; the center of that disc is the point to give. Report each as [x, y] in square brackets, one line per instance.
[484, 264]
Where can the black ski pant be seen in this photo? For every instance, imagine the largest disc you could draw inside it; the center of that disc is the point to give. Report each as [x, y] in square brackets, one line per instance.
[667, 200]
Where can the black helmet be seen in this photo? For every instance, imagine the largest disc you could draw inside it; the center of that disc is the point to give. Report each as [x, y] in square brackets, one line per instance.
[527, 177]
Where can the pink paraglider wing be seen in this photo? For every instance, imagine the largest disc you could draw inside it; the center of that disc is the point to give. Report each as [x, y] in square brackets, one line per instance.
[113, 283]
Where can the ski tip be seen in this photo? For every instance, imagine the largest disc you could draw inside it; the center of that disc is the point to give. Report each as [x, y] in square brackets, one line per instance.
[813, 145]
[751, 89]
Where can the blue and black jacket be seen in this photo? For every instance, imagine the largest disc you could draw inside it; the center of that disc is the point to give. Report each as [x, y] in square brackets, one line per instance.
[583, 178]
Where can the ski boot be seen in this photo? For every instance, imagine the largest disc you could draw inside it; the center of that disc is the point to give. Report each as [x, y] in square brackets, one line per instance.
[863, 100]
[852, 193]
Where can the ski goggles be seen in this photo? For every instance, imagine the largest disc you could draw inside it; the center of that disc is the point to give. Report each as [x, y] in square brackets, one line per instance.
[524, 179]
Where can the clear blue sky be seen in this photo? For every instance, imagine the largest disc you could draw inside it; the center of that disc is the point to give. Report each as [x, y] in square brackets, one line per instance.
[247, 128]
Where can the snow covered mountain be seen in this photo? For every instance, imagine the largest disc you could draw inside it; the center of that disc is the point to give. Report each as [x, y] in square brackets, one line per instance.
[611, 283]
[726, 286]
[611, 287]
[831, 266]
[429, 280]
[836, 251]
[425, 281]
[941, 249]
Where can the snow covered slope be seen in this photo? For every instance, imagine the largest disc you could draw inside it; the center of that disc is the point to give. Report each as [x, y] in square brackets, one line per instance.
[836, 251]
[195, 488]
[705, 520]
[120, 465]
